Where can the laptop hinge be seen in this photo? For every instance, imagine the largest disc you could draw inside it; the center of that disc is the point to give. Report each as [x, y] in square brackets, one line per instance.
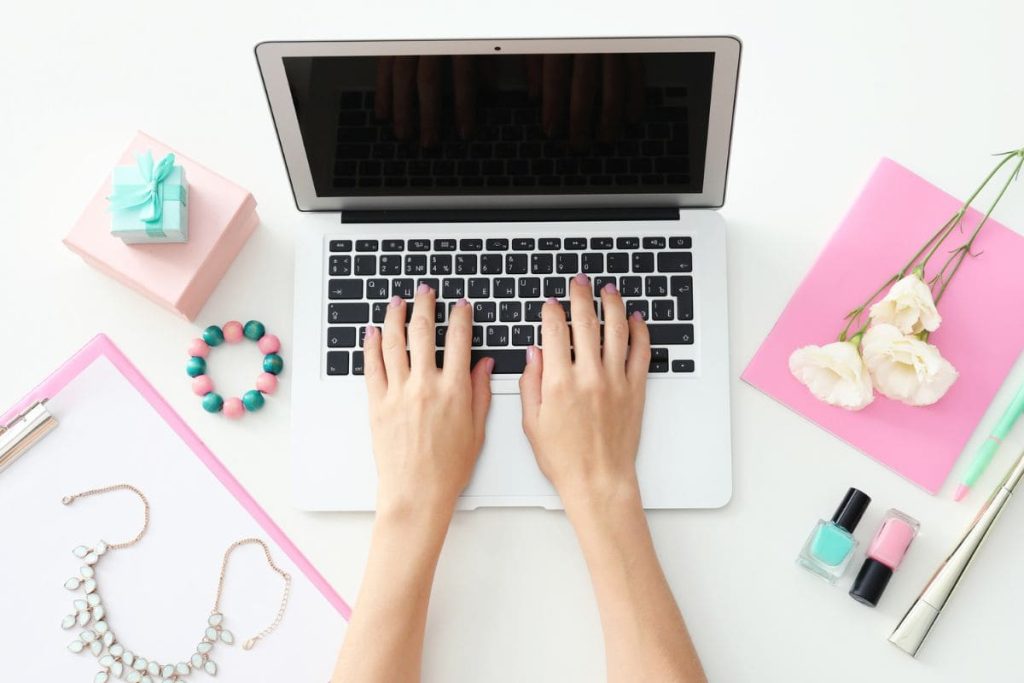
[661, 213]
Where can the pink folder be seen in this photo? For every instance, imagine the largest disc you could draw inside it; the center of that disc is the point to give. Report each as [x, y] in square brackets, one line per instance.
[982, 330]
[101, 347]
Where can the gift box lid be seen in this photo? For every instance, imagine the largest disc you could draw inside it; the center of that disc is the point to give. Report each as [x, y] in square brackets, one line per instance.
[179, 277]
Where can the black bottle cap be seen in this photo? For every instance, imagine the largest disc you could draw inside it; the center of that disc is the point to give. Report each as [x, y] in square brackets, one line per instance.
[870, 583]
[849, 512]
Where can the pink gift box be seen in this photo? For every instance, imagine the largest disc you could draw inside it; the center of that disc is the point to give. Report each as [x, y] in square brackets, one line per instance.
[179, 277]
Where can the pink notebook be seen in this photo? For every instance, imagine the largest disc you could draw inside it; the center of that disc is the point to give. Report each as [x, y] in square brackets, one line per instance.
[982, 331]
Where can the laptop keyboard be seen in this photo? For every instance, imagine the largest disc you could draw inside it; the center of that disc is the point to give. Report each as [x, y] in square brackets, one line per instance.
[507, 282]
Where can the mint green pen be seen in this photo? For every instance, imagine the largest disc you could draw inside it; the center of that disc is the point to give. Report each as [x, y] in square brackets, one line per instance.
[988, 449]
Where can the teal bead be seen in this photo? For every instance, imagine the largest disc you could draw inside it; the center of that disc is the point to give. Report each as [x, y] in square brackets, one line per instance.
[253, 400]
[213, 335]
[196, 366]
[273, 364]
[212, 402]
[254, 330]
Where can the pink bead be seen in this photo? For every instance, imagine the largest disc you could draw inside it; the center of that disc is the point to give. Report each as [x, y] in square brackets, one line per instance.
[269, 343]
[266, 382]
[202, 385]
[232, 331]
[233, 408]
[197, 347]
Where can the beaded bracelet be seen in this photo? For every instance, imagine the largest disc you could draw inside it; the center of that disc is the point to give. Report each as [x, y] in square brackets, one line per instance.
[233, 332]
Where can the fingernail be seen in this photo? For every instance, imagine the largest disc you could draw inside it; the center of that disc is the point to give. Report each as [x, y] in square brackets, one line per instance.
[610, 288]
[462, 302]
[424, 288]
[531, 354]
[582, 279]
[371, 332]
[395, 301]
[637, 315]
[552, 300]
[490, 365]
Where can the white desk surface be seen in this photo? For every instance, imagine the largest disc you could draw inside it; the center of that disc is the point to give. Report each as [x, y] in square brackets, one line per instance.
[825, 90]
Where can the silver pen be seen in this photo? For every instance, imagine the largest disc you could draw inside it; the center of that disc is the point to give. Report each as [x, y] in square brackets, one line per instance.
[912, 630]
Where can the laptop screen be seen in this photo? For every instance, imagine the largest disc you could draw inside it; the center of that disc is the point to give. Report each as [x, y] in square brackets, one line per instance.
[503, 124]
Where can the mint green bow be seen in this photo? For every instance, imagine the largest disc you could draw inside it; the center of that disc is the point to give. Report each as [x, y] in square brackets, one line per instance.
[150, 194]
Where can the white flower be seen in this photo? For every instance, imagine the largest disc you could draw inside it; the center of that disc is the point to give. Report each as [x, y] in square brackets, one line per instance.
[835, 374]
[905, 368]
[908, 306]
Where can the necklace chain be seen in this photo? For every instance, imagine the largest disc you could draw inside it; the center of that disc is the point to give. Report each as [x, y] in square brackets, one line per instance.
[68, 500]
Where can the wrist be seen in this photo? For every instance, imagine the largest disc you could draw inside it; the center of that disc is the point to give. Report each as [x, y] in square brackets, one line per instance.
[421, 514]
[602, 498]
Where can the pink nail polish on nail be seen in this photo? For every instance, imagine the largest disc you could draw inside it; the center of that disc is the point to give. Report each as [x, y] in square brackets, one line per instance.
[423, 288]
[552, 300]
[610, 288]
[462, 302]
[371, 332]
[530, 355]
[637, 315]
[395, 301]
[582, 279]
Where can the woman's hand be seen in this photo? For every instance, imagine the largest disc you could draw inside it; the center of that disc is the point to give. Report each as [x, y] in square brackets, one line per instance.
[583, 417]
[427, 423]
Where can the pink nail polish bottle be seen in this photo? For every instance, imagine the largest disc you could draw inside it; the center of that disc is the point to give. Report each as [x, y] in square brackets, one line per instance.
[885, 554]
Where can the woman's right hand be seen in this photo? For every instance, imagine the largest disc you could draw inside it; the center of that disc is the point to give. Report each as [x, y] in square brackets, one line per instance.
[583, 416]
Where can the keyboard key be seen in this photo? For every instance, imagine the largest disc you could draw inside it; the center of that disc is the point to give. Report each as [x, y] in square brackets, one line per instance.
[377, 288]
[470, 244]
[341, 245]
[444, 245]
[567, 263]
[658, 366]
[453, 288]
[654, 243]
[497, 335]
[670, 333]
[631, 286]
[479, 288]
[675, 261]
[379, 311]
[393, 245]
[357, 363]
[643, 262]
[659, 354]
[682, 288]
[367, 245]
[533, 311]
[680, 243]
[337, 362]
[439, 312]
[504, 288]
[656, 285]
[362, 335]
[403, 287]
[529, 287]
[522, 335]
[627, 243]
[348, 313]
[341, 266]
[575, 243]
[600, 281]
[419, 245]
[465, 264]
[490, 264]
[497, 245]
[478, 335]
[390, 264]
[485, 312]
[516, 264]
[635, 305]
[431, 282]
[542, 264]
[683, 366]
[415, 264]
[440, 264]
[366, 265]
[663, 309]
[601, 242]
[440, 334]
[341, 337]
[506, 361]
[554, 287]
[510, 311]
[593, 263]
[549, 243]
[524, 244]
[618, 262]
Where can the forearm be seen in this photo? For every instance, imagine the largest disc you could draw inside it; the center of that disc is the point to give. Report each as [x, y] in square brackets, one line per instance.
[384, 641]
[645, 636]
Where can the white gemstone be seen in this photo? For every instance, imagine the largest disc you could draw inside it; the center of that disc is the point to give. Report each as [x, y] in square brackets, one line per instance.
[73, 583]
[98, 612]
[108, 638]
[197, 660]
[96, 648]
[133, 677]
[182, 668]
[76, 646]
[84, 617]
[216, 619]
[117, 649]
[227, 636]
[211, 633]
[87, 636]
[80, 605]
[87, 572]
[101, 547]
[67, 622]
[81, 551]
[147, 679]
[101, 677]
[204, 647]
[90, 585]
[106, 661]
[153, 668]
[167, 671]
[93, 599]
[210, 667]
[169, 680]
[140, 663]
[128, 657]
[117, 669]
[91, 558]
[101, 627]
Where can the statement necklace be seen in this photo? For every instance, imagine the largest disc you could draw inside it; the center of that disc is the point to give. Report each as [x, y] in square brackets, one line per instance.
[98, 639]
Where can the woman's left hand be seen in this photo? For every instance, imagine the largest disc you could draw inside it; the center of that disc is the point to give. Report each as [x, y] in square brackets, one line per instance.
[427, 423]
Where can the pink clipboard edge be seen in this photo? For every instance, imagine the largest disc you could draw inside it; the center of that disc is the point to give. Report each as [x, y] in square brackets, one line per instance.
[101, 345]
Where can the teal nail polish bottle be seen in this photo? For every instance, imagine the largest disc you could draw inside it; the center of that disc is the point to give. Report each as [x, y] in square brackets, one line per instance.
[829, 549]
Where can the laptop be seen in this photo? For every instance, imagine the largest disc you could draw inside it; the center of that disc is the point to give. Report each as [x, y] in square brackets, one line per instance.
[496, 170]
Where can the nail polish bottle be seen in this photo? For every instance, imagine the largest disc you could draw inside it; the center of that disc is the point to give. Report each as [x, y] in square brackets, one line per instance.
[830, 546]
[884, 555]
